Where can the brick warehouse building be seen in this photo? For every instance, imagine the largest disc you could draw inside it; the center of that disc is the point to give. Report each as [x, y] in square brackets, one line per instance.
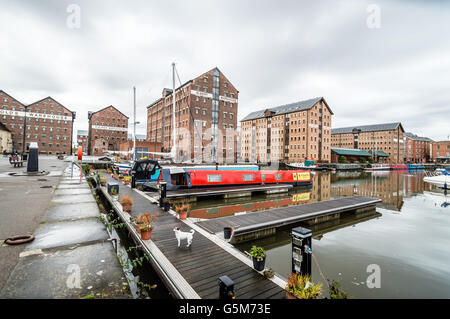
[47, 122]
[289, 133]
[441, 151]
[387, 138]
[206, 117]
[108, 128]
[417, 148]
[82, 139]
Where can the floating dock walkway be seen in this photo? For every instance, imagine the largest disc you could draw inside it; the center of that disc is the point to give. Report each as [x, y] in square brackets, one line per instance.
[192, 273]
[264, 223]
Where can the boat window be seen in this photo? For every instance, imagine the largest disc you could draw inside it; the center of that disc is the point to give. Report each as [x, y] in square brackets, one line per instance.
[248, 177]
[214, 178]
[278, 177]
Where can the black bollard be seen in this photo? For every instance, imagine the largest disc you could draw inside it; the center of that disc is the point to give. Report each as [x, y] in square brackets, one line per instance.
[33, 158]
[301, 250]
[162, 193]
[226, 288]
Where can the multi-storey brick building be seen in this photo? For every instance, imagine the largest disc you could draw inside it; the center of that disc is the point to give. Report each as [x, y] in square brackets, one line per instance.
[288, 133]
[108, 128]
[47, 122]
[5, 139]
[387, 138]
[82, 139]
[417, 148]
[206, 119]
[441, 151]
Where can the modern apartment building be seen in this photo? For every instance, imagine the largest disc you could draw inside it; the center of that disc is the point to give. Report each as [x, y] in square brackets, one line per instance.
[206, 109]
[47, 122]
[108, 128]
[288, 133]
[417, 148]
[386, 138]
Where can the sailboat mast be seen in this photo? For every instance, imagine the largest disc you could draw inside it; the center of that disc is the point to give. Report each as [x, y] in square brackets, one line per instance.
[174, 144]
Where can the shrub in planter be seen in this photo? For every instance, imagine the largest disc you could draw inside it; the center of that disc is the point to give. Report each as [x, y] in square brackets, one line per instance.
[126, 202]
[334, 288]
[146, 232]
[300, 286]
[102, 180]
[144, 224]
[182, 210]
[259, 257]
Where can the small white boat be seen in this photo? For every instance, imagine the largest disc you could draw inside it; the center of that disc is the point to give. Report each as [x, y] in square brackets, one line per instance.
[378, 167]
[441, 181]
[304, 165]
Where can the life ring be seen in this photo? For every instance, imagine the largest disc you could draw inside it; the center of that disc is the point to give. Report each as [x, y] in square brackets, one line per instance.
[18, 240]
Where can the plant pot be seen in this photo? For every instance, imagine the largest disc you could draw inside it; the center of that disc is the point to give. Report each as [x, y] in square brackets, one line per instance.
[227, 231]
[127, 208]
[182, 215]
[290, 296]
[146, 234]
[258, 264]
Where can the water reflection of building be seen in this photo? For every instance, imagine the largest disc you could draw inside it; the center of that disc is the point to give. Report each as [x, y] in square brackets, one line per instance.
[391, 187]
[219, 208]
[321, 187]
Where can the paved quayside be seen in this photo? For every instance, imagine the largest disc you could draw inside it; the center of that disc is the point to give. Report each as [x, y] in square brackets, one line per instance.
[71, 256]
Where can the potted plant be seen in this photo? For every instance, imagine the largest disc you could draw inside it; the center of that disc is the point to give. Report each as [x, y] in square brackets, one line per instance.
[301, 287]
[109, 171]
[103, 180]
[182, 211]
[334, 288]
[126, 202]
[144, 225]
[114, 192]
[127, 180]
[121, 177]
[259, 257]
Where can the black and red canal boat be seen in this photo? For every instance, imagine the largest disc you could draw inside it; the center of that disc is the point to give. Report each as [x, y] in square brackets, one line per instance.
[178, 177]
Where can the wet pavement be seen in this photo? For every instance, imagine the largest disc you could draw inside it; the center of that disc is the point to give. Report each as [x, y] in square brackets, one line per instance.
[71, 256]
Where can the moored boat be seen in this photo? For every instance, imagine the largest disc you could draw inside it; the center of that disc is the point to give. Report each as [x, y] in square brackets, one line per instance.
[304, 165]
[442, 180]
[377, 167]
[399, 167]
[177, 178]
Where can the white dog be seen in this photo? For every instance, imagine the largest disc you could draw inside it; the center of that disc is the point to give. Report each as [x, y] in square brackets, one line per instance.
[184, 235]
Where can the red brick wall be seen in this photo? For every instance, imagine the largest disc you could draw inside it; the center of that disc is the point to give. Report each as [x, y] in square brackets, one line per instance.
[101, 140]
[48, 123]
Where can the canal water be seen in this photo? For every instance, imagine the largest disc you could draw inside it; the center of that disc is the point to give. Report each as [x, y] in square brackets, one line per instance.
[404, 246]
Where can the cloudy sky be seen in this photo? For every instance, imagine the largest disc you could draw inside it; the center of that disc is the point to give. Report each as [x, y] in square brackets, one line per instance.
[373, 61]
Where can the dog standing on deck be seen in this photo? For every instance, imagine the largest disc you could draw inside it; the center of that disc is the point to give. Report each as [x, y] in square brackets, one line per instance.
[184, 235]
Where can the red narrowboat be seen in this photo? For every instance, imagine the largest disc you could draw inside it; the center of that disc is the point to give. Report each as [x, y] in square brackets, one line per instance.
[186, 178]
[399, 167]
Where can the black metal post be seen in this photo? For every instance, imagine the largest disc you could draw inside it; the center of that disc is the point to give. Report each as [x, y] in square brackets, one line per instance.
[226, 288]
[301, 250]
[162, 193]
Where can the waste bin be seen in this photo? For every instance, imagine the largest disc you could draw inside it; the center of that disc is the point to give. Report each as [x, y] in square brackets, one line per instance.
[33, 158]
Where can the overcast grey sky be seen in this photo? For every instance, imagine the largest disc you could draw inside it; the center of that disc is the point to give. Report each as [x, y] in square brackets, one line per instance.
[274, 52]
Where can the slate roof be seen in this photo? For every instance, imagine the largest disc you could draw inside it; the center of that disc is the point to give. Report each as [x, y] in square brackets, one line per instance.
[350, 151]
[368, 128]
[417, 138]
[381, 154]
[287, 108]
